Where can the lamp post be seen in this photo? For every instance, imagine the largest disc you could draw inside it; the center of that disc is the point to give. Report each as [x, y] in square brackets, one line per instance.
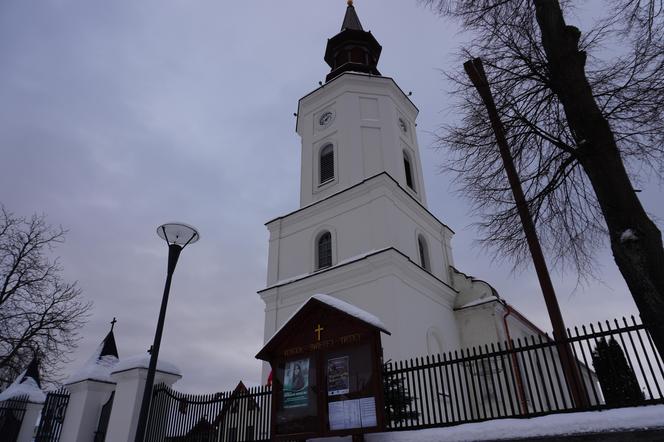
[177, 236]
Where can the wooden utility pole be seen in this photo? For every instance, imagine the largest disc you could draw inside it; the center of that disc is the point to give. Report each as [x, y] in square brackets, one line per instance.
[475, 71]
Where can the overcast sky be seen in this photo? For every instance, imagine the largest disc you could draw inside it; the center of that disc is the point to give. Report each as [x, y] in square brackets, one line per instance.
[117, 116]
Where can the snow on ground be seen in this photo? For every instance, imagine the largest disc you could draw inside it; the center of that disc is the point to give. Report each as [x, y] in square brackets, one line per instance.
[28, 388]
[634, 418]
[143, 361]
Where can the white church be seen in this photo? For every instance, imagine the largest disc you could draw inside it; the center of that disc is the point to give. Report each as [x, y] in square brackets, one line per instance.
[363, 233]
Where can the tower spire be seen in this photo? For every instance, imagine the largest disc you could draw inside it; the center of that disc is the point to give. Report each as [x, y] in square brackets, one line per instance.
[351, 20]
[353, 48]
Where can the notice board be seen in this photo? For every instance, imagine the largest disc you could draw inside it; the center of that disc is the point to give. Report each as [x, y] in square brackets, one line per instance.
[326, 371]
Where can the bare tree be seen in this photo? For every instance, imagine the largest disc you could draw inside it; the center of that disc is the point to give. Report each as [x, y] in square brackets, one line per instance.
[39, 312]
[584, 115]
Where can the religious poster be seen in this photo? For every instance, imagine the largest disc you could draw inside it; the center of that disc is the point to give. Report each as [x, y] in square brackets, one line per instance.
[296, 384]
[337, 376]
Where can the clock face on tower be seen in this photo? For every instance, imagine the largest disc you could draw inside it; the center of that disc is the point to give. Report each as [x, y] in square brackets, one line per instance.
[326, 119]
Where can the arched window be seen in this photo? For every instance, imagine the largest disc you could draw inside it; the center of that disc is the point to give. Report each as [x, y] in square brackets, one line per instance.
[324, 251]
[326, 163]
[423, 250]
[408, 168]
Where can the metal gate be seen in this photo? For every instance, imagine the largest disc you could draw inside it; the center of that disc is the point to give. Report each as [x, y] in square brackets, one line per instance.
[236, 416]
[11, 417]
[52, 416]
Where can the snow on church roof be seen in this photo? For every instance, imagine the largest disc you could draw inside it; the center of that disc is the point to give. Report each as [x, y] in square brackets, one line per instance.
[100, 365]
[24, 386]
[143, 361]
[340, 305]
[96, 368]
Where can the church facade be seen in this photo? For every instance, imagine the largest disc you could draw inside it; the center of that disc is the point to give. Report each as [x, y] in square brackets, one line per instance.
[363, 233]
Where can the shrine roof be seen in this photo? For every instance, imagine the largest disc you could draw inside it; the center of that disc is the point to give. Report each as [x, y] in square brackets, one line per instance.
[336, 304]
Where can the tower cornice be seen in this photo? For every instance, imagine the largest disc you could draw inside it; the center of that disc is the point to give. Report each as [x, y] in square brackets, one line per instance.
[345, 83]
[349, 193]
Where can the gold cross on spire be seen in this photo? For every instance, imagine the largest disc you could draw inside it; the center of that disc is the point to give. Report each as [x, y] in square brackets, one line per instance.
[350, 2]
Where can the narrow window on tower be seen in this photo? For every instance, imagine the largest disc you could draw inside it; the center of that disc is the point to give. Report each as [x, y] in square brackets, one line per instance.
[324, 251]
[326, 164]
[424, 253]
[408, 168]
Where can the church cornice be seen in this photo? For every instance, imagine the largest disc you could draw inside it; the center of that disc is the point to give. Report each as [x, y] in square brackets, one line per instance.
[434, 282]
[359, 78]
[325, 202]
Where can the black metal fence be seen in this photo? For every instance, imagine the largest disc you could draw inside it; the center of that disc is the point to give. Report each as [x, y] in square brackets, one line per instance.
[237, 416]
[52, 416]
[12, 412]
[618, 363]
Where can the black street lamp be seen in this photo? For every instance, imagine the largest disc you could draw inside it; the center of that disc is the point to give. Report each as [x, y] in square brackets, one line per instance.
[177, 236]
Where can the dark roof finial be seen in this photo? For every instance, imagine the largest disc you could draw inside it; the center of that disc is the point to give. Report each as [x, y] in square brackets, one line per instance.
[33, 371]
[351, 20]
[353, 49]
[109, 348]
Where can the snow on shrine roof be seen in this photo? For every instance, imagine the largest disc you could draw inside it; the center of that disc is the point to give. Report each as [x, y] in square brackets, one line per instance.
[24, 386]
[340, 305]
[351, 310]
[143, 361]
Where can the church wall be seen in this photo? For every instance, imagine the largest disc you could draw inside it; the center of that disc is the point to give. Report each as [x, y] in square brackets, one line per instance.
[405, 226]
[365, 132]
[370, 217]
[479, 325]
[410, 303]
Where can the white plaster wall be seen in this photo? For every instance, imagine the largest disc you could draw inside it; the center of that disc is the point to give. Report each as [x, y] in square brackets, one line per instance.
[479, 325]
[366, 134]
[408, 300]
[32, 413]
[85, 403]
[127, 402]
[373, 215]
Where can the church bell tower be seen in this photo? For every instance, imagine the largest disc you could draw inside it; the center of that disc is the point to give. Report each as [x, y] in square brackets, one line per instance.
[363, 232]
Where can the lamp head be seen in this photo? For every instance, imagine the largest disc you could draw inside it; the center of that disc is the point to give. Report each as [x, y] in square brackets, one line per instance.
[178, 234]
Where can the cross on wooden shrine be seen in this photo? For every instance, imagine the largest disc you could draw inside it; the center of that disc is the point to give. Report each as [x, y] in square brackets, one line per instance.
[317, 330]
[113, 323]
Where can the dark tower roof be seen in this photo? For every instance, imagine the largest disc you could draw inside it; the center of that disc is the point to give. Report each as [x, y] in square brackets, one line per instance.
[109, 348]
[351, 20]
[352, 49]
[32, 372]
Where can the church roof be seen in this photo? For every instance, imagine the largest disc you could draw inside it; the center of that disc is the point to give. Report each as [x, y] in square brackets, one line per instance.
[351, 20]
[100, 364]
[353, 49]
[26, 384]
[109, 348]
[33, 371]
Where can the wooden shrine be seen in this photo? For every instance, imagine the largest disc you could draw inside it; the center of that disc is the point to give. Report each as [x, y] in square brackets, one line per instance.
[326, 372]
